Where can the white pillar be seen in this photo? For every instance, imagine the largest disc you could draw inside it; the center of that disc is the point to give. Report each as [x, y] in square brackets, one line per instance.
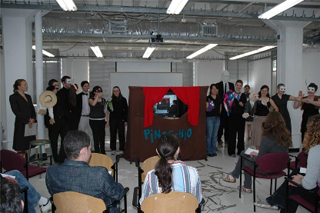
[17, 44]
[289, 67]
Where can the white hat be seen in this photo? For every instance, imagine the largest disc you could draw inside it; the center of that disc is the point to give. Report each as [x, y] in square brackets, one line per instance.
[48, 99]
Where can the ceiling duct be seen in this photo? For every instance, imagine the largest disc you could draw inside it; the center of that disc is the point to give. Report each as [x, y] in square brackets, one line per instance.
[209, 30]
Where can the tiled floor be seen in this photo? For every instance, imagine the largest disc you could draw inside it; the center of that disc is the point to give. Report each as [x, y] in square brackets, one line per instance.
[220, 194]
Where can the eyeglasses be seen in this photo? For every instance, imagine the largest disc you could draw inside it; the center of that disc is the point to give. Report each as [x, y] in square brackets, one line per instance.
[98, 90]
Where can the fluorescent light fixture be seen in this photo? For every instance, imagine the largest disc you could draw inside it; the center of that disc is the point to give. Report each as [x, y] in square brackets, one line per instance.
[199, 52]
[67, 5]
[279, 8]
[262, 49]
[96, 50]
[43, 52]
[148, 52]
[176, 6]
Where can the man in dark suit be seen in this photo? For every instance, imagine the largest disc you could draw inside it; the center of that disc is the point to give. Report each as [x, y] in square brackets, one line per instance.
[83, 109]
[224, 86]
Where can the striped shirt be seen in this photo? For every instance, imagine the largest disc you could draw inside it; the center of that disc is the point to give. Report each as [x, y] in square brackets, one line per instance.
[184, 179]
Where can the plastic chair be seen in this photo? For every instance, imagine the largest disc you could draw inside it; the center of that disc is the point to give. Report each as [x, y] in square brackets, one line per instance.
[98, 159]
[272, 164]
[74, 202]
[312, 207]
[13, 161]
[300, 160]
[171, 202]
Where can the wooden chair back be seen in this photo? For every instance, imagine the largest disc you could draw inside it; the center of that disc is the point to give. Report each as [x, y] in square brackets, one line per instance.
[74, 202]
[172, 202]
[97, 159]
[148, 165]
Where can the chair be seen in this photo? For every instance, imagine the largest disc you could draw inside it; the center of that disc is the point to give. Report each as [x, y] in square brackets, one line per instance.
[13, 161]
[300, 160]
[97, 159]
[171, 202]
[272, 164]
[39, 144]
[312, 207]
[74, 202]
[25, 191]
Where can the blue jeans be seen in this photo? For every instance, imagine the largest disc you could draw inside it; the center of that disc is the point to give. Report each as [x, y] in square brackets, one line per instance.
[33, 195]
[212, 131]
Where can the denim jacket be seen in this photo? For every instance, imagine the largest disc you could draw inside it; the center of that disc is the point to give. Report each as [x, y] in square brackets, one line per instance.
[78, 176]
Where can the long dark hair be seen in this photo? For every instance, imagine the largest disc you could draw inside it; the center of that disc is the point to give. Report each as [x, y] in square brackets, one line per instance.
[120, 95]
[94, 90]
[167, 147]
[213, 85]
[264, 87]
[274, 127]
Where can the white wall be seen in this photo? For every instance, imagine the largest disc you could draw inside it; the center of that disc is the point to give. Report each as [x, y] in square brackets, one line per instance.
[259, 74]
[143, 66]
[208, 72]
[311, 69]
[2, 96]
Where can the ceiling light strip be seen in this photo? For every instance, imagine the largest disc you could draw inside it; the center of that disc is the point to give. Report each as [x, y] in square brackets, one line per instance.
[199, 52]
[279, 9]
[262, 49]
[96, 50]
[67, 5]
[148, 52]
[44, 52]
[176, 6]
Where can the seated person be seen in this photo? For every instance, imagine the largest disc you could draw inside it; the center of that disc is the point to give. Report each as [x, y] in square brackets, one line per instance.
[169, 174]
[10, 197]
[311, 179]
[34, 198]
[76, 175]
[276, 139]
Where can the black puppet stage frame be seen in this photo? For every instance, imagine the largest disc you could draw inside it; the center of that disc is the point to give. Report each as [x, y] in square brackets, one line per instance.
[143, 133]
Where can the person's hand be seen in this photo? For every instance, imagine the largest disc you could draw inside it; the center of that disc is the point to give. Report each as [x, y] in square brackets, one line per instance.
[245, 115]
[12, 180]
[125, 123]
[253, 154]
[241, 104]
[52, 121]
[297, 179]
[107, 123]
[31, 121]
[300, 96]
[42, 112]
[305, 100]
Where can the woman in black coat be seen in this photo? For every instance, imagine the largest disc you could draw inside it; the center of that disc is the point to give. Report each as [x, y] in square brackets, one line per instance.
[22, 107]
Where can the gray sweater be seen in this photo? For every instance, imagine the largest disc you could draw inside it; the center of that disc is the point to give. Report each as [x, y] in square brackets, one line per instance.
[309, 181]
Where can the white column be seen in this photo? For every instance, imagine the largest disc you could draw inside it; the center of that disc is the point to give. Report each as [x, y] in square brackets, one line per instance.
[289, 67]
[17, 50]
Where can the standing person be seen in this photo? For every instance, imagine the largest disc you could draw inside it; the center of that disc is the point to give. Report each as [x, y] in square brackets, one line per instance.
[281, 99]
[54, 82]
[22, 107]
[117, 120]
[169, 173]
[73, 108]
[236, 121]
[309, 104]
[62, 118]
[214, 107]
[97, 117]
[250, 118]
[224, 86]
[262, 107]
[84, 109]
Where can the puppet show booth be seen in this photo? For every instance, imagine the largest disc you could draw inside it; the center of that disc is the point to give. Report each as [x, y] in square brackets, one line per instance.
[154, 111]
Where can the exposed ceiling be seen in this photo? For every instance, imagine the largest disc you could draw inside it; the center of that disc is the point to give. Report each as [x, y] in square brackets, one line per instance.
[123, 28]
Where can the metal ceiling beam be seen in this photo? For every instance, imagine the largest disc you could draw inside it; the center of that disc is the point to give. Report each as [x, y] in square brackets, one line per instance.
[119, 9]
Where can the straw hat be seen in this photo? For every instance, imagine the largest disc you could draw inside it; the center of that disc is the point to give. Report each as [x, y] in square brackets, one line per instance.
[48, 99]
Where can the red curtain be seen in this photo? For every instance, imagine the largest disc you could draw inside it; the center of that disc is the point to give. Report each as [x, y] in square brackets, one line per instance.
[190, 96]
[152, 96]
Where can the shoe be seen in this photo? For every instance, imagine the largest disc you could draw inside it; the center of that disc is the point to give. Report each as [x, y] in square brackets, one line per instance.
[113, 152]
[246, 190]
[44, 156]
[45, 208]
[233, 155]
[229, 178]
[214, 154]
[264, 204]
[121, 152]
[210, 155]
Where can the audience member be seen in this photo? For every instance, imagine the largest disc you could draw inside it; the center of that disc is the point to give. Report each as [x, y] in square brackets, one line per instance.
[236, 121]
[224, 86]
[22, 107]
[117, 116]
[171, 174]
[276, 139]
[213, 107]
[309, 104]
[34, 198]
[10, 197]
[76, 175]
[97, 119]
[281, 99]
[261, 109]
[311, 179]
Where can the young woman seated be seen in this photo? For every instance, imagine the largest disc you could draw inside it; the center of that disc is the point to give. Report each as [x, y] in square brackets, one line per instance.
[171, 174]
[275, 139]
